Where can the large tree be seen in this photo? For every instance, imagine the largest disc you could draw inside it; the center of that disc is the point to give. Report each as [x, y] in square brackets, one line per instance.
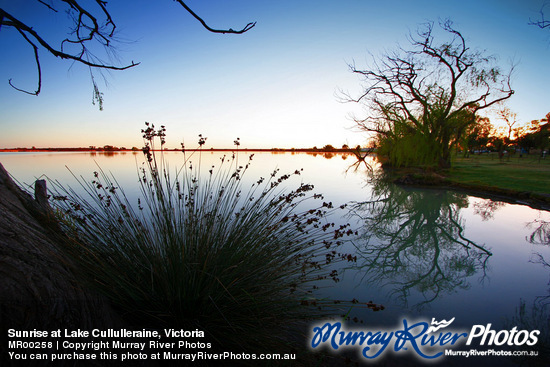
[91, 28]
[421, 100]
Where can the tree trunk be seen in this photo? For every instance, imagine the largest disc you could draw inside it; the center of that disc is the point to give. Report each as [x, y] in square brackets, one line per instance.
[445, 158]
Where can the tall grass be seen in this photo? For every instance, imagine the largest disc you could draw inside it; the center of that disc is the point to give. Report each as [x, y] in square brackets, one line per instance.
[199, 250]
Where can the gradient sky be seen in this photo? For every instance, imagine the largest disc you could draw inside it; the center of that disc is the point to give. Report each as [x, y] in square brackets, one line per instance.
[274, 86]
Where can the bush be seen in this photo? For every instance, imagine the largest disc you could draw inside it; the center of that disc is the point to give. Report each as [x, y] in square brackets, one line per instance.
[198, 250]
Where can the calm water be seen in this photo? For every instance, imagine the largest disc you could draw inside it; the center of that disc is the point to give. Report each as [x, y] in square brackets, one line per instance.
[420, 253]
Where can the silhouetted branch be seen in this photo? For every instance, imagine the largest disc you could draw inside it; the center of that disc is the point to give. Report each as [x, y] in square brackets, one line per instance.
[542, 23]
[37, 60]
[224, 31]
[91, 26]
[83, 55]
[47, 5]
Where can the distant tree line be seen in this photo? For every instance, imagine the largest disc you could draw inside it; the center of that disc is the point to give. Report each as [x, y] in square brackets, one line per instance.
[528, 138]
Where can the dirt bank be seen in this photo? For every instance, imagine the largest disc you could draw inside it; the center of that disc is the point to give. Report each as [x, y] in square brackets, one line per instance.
[36, 290]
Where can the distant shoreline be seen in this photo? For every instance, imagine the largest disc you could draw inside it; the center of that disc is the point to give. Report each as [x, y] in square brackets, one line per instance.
[102, 150]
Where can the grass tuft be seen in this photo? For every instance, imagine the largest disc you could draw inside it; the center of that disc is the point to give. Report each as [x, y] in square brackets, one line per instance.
[199, 250]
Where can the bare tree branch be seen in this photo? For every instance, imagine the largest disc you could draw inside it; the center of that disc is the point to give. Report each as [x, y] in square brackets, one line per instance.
[223, 31]
[91, 26]
[37, 60]
[47, 5]
[542, 23]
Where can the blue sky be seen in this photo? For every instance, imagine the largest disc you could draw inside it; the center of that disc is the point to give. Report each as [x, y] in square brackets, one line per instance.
[274, 86]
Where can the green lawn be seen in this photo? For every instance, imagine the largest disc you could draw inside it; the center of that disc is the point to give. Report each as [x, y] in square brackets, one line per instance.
[527, 174]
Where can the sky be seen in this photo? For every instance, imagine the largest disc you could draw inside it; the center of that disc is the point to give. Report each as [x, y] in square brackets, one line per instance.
[274, 86]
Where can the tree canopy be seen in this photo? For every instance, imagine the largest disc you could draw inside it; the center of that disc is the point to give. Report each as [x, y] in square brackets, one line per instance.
[421, 100]
[91, 25]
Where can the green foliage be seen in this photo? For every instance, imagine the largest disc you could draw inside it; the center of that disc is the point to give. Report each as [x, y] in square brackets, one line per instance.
[537, 136]
[199, 250]
[476, 136]
[406, 145]
[428, 140]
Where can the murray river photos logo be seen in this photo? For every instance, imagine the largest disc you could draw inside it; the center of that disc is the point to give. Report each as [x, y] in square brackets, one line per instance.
[426, 340]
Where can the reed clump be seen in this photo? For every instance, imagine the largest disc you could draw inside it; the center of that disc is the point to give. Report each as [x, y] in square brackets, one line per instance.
[199, 250]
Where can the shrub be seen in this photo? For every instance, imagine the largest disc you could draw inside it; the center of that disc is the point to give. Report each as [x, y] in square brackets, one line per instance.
[198, 250]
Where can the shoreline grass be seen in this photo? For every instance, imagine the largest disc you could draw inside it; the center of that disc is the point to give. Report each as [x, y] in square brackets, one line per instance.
[200, 250]
[524, 180]
[527, 174]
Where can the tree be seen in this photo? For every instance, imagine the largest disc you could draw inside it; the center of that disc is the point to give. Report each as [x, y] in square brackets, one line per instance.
[534, 135]
[422, 100]
[477, 135]
[510, 118]
[505, 135]
[92, 26]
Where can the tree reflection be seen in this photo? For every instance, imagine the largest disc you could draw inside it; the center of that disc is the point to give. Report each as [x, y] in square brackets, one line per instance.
[413, 240]
[486, 208]
[535, 317]
[541, 234]
[363, 160]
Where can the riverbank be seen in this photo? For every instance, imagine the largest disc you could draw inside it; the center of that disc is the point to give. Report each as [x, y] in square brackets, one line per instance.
[521, 180]
[37, 290]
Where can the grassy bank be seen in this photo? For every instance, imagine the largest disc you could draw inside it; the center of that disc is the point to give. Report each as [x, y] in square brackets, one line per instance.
[527, 174]
[525, 179]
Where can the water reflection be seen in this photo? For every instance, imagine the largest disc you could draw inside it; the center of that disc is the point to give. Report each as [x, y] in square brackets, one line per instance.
[540, 237]
[413, 241]
[536, 317]
[421, 245]
[486, 208]
[541, 234]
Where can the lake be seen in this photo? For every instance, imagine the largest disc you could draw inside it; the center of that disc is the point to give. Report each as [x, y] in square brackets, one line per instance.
[421, 253]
